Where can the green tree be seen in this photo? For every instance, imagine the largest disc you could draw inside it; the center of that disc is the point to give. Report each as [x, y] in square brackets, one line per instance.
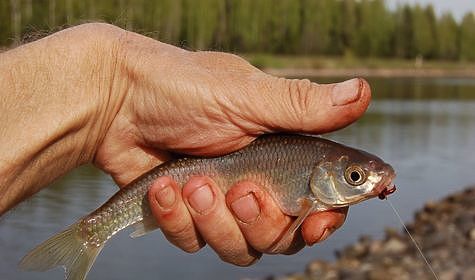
[430, 14]
[250, 24]
[284, 29]
[375, 26]
[317, 26]
[5, 24]
[15, 17]
[265, 25]
[163, 18]
[347, 24]
[447, 30]
[403, 37]
[201, 22]
[335, 27]
[467, 37]
[423, 31]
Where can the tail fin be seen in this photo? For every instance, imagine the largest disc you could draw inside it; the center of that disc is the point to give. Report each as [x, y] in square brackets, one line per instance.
[66, 249]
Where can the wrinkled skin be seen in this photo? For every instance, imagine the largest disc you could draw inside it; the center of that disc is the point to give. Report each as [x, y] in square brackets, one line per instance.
[208, 103]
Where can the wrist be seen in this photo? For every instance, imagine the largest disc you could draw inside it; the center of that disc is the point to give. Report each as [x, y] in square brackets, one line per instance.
[58, 98]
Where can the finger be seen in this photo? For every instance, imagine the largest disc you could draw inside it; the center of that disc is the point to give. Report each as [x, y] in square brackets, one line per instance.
[260, 219]
[215, 222]
[319, 226]
[304, 106]
[172, 216]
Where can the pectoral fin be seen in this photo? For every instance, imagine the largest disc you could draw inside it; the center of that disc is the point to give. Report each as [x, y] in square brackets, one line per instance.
[307, 207]
[143, 227]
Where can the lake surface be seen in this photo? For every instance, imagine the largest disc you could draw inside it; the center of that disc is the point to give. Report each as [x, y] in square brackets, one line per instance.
[424, 127]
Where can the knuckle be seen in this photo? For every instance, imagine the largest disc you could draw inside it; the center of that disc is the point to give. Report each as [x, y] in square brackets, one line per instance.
[184, 237]
[192, 247]
[265, 245]
[300, 95]
[243, 259]
[189, 245]
[222, 58]
[246, 263]
[94, 26]
[183, 228]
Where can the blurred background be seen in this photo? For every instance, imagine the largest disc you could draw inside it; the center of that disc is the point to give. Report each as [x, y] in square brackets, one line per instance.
[418, 56]
[367, 28]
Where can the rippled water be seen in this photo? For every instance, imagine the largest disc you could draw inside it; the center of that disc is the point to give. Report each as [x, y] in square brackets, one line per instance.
[424, 127]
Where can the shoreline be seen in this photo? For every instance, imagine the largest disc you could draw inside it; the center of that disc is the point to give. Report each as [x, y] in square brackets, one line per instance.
[445, 230]
[351, 66]
[372, 72]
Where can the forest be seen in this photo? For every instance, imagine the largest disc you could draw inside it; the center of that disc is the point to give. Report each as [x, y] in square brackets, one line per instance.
[359, 28]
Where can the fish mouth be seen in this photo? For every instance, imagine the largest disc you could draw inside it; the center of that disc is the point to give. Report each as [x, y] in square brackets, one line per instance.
[385, 187]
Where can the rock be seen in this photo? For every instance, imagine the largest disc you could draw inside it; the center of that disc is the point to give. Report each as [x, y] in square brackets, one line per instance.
[447, 275]
[319, 270]
[430, 206]
[465, 222]
[437, 239]
[423, 217]
[351, 274]
[375, 247]
[378, 274]
[383, 273]
[366, 267]
[394, 246]
[426, 228]
[443, 254]
[407, 261]
[471, 235]
[468, 274]
[294, 276]
[358, 250]
[392, 233]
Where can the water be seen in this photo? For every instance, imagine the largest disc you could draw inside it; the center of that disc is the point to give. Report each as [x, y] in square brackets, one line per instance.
[424, 127]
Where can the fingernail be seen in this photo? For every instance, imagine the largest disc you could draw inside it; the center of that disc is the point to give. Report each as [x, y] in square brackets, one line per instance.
[201, 199]
[346, 92]
[246, 208]
[165, 197]
[325, 234]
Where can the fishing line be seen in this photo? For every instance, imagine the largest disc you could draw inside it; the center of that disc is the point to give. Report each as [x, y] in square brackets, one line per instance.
[413, 240]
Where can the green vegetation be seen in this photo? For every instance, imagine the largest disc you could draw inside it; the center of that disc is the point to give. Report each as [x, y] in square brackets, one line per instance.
[276, 61]
[345, 28]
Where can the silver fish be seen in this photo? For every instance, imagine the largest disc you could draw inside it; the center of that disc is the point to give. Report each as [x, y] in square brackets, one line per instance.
[303, 174]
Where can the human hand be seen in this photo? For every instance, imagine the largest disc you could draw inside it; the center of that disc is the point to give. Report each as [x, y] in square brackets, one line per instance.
[96, 93]
[208, 103]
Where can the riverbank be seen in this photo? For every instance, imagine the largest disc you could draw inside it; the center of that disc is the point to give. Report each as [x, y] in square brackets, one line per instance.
[316, 66]
[367, 72]
[445, 230]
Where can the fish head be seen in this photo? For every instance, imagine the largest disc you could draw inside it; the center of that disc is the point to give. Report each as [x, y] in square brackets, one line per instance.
[347, 176]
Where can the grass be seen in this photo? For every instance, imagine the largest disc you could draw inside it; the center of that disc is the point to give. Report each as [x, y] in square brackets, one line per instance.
[349, 62]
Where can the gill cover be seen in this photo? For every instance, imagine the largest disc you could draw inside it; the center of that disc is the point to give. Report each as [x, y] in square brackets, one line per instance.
[329, 186]
[322, 184]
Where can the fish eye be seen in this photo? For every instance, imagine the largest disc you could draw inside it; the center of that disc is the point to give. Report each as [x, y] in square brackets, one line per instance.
[355, 175]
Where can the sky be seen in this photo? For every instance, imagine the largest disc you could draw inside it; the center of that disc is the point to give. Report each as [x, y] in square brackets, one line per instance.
[457, 7]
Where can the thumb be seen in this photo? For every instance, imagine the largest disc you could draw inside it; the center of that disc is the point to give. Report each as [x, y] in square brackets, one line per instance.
[307, 107]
